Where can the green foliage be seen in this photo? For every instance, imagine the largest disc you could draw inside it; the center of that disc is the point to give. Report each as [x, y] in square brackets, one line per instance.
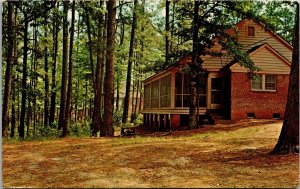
[47, 132]
[280, 15]
[118, 118]
[80, 130]
[149, 48]
[137, 119]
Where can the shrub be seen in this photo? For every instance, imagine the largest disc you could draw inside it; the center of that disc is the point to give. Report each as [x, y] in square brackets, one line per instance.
[118, 118]
[138, 119]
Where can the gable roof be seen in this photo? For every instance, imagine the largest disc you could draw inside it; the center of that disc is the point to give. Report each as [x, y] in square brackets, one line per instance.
[272, 62]
[214, 63]
[269, 30]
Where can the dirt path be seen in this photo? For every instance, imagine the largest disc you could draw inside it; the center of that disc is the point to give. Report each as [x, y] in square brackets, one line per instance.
[228, 158]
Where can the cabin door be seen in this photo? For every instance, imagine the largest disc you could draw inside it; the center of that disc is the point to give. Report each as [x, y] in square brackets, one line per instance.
[217, 92]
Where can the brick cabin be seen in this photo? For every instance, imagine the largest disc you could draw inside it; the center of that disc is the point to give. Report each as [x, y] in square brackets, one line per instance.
[226, 90]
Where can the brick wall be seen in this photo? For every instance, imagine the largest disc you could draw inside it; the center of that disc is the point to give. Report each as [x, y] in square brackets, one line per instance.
[175, 121]
[262, 104]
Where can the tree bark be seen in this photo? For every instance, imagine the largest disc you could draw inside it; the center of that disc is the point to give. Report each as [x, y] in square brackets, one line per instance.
[107, 129]
[172, 26]
[118, 94]
[69, 94]
[53, 84]
[137, 95]
[46, 100]
[8, 73]
[167, 30]
[129, 69]
[288, 141]
[14, 79]
[192, 101]
[61, 121]
[13, 111]
[96, 120]
[87, 19]
[24, 79]
[35, 76]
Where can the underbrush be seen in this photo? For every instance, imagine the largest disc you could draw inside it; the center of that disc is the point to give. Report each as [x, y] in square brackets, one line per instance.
[77, 129]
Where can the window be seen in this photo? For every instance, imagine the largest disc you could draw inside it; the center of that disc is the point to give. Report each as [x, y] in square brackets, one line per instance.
[165, 91]
[182, 90]
[147, 96]
[264, 83]
[158, 93]
[182, 94]
[216, 90]
[155, 94]
[270, 82]
[251, 31]
[257, 82]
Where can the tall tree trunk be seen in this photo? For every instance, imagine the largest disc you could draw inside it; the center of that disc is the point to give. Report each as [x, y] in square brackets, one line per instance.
[141, 96]
[53, 84]
[103, 65]
[132, 100]
[137, 92]
[87, 19]
[69, 95]
[122, 28]
[76, 100]
[192, 100]
[129, 69]
[46, 100]
[96, 120]
[85, 98]
[288, 141]
[118, 94]
[61, 121]
[173, 23]
[13, 111]
[14, 92]
[8, 73]
[35, 75]
[107, 129]
[167, 30]
[24, 78]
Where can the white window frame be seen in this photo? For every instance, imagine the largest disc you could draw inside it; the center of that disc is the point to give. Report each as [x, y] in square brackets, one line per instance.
[263, 81]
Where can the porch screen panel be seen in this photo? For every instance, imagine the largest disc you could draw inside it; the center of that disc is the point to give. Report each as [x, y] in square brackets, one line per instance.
[178, 90]
[165, 91]
[182, 83]
[147, 96]
[186, 90]
[155, 94]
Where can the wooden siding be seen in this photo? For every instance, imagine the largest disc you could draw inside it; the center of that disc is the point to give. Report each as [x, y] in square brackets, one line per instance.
[211, 63]
[184, 111]
[262, 36]
[267, 60]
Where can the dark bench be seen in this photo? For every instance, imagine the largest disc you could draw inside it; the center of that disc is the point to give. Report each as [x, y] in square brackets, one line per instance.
[126, 131]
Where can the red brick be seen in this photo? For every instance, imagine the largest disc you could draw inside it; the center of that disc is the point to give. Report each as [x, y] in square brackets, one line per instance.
[175, 121]
[262, 104]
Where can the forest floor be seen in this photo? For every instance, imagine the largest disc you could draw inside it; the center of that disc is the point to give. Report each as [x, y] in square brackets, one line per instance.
[225, 155]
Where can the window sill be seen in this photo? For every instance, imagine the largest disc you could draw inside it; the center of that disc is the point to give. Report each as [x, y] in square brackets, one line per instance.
[268, 91]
